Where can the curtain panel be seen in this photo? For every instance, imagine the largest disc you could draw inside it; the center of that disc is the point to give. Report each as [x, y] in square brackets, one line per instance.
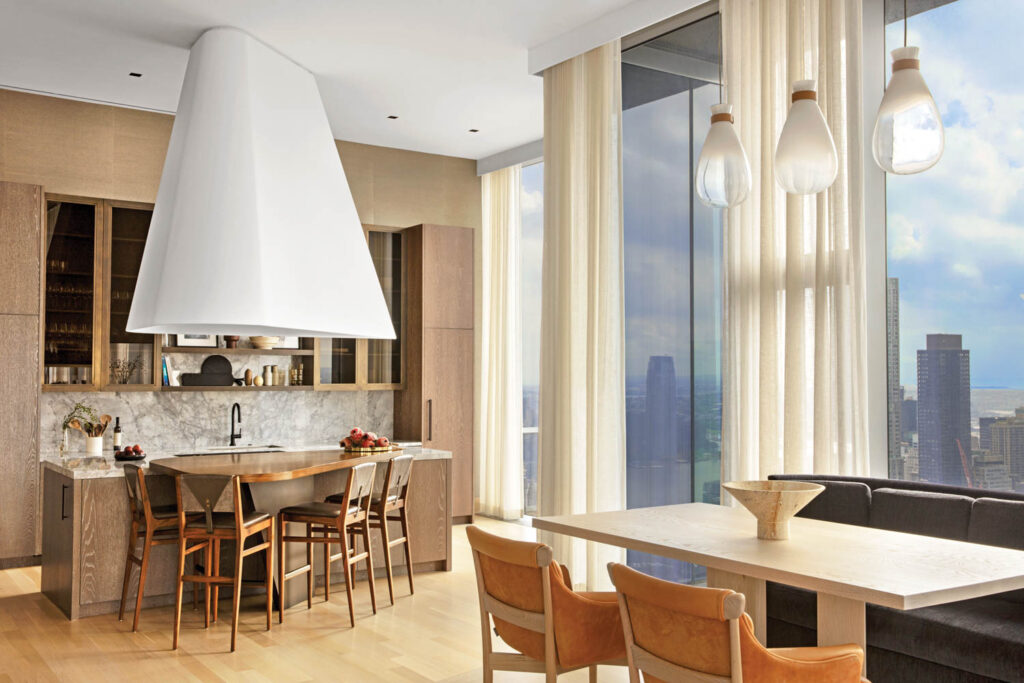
[582, 385]
[498, 427]
[795, 369]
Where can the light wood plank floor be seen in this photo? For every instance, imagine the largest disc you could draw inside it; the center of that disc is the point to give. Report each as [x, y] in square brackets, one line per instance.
[432, 636]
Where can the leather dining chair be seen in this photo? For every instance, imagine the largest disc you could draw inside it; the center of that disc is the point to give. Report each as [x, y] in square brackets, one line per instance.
[676, 632]
[536, 612]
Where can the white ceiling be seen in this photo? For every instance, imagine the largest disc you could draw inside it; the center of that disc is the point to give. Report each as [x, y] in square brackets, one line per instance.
[441, 66]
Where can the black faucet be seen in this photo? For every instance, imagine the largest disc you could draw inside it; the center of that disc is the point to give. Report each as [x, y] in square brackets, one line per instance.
[236, 435]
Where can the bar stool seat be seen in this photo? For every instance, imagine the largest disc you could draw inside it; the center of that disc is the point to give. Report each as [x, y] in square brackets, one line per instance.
[315, 509]
[164, 511]
[226, 520]
[374, 502]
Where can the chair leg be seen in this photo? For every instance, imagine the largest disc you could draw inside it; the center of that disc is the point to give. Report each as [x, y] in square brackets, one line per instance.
[386, 543]
[133, 540]
[177, 592]
[593, 673]
[237, 592]
[206, 591]
[280, 568]
[404, 518]
[369, 563]
[270, 571]
[348, 572]
[216, 572]
[309, 562]
[327, 564]
[142, 577]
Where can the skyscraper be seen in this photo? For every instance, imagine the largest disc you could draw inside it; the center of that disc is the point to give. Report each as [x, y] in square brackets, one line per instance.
[943, 409]
[985, 432]
[1007, 444]
[892, 346]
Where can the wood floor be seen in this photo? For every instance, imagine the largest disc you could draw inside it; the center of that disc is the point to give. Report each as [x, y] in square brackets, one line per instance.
[432, 636]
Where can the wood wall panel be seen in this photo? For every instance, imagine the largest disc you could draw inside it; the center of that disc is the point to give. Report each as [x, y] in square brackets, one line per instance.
[19, 430]
[96, 150]
[448, 280]
[20, 270]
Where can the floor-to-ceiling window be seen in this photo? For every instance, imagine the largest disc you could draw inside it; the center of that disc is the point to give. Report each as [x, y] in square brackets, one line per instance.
[532, 250]
[672, 264]
[956, 256]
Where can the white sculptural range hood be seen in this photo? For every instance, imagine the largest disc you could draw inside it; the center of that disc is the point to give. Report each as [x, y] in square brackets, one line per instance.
[254, 231]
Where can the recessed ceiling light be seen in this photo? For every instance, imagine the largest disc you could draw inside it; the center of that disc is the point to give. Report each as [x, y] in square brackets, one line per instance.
[474, 130]
[392, 117]
[135, 74]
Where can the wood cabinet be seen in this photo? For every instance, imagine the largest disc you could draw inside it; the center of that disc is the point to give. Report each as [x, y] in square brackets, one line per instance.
[21, 211]
[436, 404]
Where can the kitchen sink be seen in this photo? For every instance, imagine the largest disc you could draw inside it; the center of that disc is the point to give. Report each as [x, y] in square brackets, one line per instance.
[251, 448]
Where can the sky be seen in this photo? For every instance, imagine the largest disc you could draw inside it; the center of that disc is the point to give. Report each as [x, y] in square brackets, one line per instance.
[956, 231]
[531, 207]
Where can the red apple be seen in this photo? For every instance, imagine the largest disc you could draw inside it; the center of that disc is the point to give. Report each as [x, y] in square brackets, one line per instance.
[367, 443]
[137, 448]
[383, 442]
[356, 433]
[371, 436]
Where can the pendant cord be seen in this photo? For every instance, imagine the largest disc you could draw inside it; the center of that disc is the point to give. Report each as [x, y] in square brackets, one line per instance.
[720, 60]
[904, 23]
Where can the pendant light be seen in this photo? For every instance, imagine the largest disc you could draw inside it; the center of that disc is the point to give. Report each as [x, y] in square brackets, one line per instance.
[723, 171]
[908, 136]
[254, 231]
[805, 158]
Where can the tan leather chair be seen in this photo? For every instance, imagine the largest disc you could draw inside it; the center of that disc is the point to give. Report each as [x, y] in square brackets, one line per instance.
[676, 632]
[537, 613]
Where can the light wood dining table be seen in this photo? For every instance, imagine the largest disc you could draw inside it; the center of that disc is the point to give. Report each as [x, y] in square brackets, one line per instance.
[846, 565]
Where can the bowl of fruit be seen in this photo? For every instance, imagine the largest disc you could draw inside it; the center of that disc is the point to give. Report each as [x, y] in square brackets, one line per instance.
[359, 441]
[130, 453]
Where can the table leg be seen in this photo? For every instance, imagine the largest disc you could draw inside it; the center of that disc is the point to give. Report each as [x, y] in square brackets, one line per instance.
[842, 621]
[752, 589]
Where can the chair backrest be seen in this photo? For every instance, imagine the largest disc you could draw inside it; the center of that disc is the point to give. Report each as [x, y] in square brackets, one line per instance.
[138, 497]
[513, 583]
[359, 485]
[674, 631]
[205, 493]
[396, 478]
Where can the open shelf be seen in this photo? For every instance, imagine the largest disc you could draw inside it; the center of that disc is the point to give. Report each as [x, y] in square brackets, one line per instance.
[300, 387]
[208, 350]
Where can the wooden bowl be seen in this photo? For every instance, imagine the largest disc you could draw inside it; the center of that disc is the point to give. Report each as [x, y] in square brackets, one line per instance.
[773, 503]
[264, 342]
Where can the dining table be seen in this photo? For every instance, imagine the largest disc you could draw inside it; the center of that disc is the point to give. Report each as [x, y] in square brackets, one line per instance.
[847, 566]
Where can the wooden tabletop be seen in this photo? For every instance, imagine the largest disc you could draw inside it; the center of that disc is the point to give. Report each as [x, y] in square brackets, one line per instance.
[904, 571]
[263, 467]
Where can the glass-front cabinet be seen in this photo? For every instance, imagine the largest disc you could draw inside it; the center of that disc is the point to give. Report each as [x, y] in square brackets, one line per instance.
[370, 363]
[130, 359]
[73, 236]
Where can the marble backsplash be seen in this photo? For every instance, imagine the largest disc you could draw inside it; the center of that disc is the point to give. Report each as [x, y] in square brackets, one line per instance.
[181, 421]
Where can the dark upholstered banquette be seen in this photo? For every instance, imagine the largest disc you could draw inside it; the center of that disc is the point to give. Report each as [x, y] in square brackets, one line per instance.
[966, 642]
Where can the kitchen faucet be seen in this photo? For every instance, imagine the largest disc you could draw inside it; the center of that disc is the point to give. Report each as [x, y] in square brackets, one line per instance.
[236, 409]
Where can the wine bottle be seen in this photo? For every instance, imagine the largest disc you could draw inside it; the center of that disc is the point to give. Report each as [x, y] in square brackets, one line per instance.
[117, 434]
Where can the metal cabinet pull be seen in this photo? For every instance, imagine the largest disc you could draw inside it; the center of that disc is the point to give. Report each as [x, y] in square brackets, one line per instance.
[63, 498]
[430, 419]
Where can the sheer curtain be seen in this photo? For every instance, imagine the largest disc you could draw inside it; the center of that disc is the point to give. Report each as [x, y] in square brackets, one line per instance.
[582, 385]
[498, 427]
[795, 370]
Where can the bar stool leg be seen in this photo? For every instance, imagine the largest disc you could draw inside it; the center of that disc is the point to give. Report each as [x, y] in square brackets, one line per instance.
[216, 573]
[327, 563]
[404, 518]
[237, 592]
[270, 571]
[386, 543]
[206, 593]
[309, 562]
[133, 540]
[177, 592]
[142, 577]
[369, 563]
[282, 525]
[343, 538]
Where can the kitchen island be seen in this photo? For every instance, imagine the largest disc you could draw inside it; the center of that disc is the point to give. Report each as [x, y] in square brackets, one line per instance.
[85, 515]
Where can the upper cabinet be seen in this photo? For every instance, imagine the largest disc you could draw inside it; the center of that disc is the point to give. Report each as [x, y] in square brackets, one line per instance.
[72, 267]
[93, 250]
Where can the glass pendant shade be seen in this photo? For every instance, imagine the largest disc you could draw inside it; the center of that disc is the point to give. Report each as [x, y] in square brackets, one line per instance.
[805, 158]
[723, 171]
[908, 135]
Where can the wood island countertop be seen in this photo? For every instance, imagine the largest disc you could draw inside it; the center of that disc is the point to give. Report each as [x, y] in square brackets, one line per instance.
[254, 468]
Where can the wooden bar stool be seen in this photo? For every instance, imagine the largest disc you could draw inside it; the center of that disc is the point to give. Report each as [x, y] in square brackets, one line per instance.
[338, 523]
[395, 481]
[201, 493]
[155, 525]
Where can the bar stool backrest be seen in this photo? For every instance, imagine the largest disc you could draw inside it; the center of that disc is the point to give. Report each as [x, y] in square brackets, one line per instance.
[396, 480]
[205, 493]
[138, 497]
[360, 485]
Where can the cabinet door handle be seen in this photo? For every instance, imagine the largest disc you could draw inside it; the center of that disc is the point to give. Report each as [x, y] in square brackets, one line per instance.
[63, 498]
[430, 419]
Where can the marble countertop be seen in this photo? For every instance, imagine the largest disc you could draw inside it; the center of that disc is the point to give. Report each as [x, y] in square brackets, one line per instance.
[78, 465]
